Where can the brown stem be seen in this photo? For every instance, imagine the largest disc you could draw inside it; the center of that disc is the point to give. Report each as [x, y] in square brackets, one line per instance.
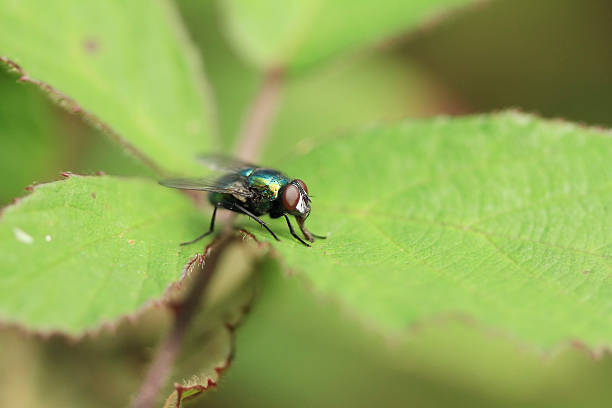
[184, 312]
[261, 113]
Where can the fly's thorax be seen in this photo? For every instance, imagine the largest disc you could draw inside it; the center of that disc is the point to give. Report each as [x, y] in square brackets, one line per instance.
[246, 172]
[268, 182]
[220, 199]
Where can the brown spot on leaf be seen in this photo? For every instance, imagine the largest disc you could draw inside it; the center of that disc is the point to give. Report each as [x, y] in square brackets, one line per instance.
[91, 45]
[131, 242]
[93, 195]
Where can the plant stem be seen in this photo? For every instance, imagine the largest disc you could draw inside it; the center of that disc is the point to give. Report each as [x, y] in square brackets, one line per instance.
[183, 314]
[261, 113]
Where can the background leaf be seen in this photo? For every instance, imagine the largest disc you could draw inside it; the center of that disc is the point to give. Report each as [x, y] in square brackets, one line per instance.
[90, 249]
[27, 145]
[328, 359]
[232, 79]
[127, 63]
[299, 33]
[85, 373]
[501, 218]
[351, 91]
[40, 140]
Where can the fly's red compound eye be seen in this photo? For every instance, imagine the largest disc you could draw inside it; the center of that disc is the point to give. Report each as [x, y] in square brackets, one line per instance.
[302, 184]
[291, 197]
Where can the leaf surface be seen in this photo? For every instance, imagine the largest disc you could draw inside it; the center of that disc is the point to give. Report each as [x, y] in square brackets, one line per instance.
[446, 363]
[127, 63]
[505, 218]
[26, 151]
[87, 250]
[298, 33]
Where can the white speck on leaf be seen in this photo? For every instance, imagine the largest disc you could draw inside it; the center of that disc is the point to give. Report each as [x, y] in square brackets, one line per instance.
[48, 238]
[23, 236]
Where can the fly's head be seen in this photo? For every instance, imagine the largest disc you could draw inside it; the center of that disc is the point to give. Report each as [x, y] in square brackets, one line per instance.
[295, 199]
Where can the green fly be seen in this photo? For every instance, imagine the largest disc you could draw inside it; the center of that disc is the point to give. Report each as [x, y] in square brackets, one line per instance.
[251, 190]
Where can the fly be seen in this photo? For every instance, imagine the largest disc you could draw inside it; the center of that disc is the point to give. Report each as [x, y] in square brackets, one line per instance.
[251, 190]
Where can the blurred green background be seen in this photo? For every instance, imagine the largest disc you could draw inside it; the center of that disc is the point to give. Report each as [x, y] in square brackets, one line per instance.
[551, 57]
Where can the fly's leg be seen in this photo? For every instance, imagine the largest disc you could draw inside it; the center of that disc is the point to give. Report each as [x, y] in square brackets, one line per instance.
[293, 232]
[256, 218]
[307, 234]
[210, 230]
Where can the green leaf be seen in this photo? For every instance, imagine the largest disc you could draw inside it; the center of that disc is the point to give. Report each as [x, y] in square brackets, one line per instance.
[27, 149]
[87, 250]
[127, 63]
[441, 364]
[299, 33]
[503, 218]
[38, 150]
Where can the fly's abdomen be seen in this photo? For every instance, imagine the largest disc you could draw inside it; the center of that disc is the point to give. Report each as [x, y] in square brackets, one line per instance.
[221, 199]
[227, 199]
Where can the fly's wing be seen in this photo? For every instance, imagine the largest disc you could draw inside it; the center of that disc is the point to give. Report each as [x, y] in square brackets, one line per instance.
[228, 184]
[223, 163]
